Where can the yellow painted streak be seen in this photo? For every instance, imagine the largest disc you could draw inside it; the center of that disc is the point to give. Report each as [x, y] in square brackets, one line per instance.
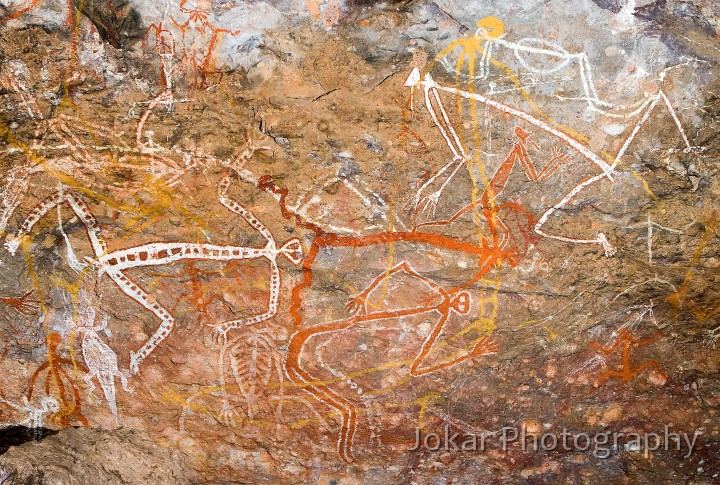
[525, 324]
[647, 188]
[550, 331]
[487, 325]
[25, 245]
[424, 402]
[469, 46]
[171, 396]
[678, 298]
[73, 289]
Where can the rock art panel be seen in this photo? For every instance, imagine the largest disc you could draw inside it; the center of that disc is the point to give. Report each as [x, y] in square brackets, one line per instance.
[344, 242]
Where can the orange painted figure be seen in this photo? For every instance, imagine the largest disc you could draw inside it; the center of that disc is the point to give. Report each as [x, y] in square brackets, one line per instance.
[627, 373]
[448, 304]
[200, 41]
[59, 382]
[455, 300]
[499, 180]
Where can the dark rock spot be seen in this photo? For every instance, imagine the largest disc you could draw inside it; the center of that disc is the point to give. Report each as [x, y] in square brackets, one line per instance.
[17, 435]
[117, 22]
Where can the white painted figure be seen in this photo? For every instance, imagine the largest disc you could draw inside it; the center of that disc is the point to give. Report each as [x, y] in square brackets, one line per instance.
[100, 359]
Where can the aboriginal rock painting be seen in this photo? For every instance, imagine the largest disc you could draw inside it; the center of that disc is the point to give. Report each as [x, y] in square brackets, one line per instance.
[324, 266]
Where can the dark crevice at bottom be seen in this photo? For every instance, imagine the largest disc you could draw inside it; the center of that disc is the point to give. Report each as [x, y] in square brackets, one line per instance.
[17, 435]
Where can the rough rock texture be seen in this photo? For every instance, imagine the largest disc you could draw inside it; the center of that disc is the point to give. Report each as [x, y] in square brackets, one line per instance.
[84, 455]
[284, 239]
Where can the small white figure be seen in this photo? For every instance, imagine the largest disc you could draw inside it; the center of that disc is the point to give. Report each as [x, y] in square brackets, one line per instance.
[100, 359]
[35, 415]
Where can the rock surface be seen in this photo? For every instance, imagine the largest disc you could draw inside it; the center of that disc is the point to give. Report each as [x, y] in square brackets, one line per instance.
[285, 239]
[85, 455]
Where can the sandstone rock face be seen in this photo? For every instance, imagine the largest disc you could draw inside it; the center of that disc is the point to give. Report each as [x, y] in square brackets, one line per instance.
[355, 242]
[85, 455]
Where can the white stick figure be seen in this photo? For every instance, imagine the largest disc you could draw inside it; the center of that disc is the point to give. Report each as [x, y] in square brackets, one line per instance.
[114, 263]
[537, 56]
[432, 88]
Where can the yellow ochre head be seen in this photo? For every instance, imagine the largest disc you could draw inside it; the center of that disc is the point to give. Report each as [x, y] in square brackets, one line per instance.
[490, 28]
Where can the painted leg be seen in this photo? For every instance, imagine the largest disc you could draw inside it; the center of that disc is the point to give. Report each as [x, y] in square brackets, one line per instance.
[89, 383]
[133, 290]
[320, 391]
[107, 382]
[357, 305]
[220, 331]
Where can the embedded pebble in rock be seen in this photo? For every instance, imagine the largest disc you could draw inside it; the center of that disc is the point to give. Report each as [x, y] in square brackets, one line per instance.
[612, 414]
[532, 428]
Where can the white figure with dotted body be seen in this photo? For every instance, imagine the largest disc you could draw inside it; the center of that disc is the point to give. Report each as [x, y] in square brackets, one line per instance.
[100, 359]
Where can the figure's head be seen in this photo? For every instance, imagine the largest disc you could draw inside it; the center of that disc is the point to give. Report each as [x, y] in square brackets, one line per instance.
[292, 250]
[490, 28]
[461, 303]
[49, 404]
[522, 134]
[12, 243]
[54, 340]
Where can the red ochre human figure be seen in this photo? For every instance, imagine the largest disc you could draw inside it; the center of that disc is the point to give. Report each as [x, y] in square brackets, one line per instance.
[200, 41]
[59, 382]
[626, 341]
[455, 300]
[496, 185]
[204, 291]
[201, 294]
[448, 304]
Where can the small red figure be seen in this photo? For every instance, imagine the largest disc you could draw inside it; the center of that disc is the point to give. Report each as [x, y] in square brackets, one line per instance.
[627, 373]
